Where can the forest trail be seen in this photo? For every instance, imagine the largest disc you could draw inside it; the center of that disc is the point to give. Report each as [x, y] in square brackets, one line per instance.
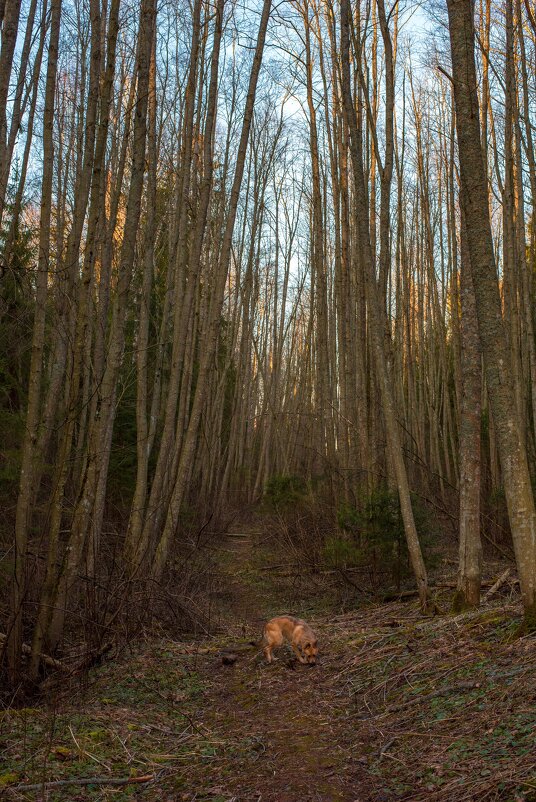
[399, 707]
[294, 717]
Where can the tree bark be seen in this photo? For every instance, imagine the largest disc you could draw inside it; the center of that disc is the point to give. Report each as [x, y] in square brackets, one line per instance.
[28, 467]
[499, 378]
[470, 546]
[376, 318]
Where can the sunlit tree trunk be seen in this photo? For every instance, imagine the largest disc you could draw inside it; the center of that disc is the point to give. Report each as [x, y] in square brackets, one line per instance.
[499, 378]
[84, 516]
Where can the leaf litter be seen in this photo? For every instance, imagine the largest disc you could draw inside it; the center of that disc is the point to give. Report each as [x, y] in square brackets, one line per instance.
[399, 707]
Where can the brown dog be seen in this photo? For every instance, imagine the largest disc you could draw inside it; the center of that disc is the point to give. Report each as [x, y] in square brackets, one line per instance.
[297, 632]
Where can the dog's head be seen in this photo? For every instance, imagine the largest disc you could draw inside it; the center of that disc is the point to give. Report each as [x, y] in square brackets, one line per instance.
[310, 651]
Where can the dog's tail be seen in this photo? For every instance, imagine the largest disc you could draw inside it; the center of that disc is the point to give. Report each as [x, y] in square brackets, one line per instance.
[259, 642]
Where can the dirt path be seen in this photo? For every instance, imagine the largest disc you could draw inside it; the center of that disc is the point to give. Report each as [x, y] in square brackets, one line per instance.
[293, 719]
[202, 730]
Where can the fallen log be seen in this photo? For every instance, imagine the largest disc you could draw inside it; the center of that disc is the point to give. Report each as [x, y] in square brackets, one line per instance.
[486, 583]
[51, 662]
[498, 584]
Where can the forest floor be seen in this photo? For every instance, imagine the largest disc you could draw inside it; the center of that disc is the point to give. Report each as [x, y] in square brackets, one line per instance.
[399, 707]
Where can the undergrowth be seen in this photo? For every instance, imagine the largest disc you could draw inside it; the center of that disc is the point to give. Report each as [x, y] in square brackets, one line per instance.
[399, 707]
[418, 709]
[363, 543]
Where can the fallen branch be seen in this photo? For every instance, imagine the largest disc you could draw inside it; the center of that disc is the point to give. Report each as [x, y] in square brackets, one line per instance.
[410, 594]
[47, 660]
[498, 584]
[146, 778]
[386, 746]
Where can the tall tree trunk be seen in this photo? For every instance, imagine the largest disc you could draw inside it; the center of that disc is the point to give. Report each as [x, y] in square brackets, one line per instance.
[470, 546]
[18, 102]
[376, 318]
[28, 467]
[88, 512]
[499, 379]
[211, 340]
[139, 537]
[143, 442]
[10, 27]
[72, 389]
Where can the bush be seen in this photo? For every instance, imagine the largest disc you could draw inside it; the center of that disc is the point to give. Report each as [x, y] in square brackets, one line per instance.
[285, 491]
[341, 554]
[374, 538]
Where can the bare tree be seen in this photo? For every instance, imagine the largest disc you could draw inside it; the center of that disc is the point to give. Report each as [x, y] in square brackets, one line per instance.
[28, 467]
[376, 325]
[499, 373]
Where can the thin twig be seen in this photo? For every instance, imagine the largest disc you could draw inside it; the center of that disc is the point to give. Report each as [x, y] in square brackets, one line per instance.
[147, 778]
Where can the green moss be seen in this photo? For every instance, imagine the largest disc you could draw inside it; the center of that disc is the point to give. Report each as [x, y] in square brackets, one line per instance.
[459, 602]
[528, 625]
[492, 617]
[7, 778]
[22, 712]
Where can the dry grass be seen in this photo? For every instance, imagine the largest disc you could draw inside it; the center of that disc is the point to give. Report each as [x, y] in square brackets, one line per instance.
[400, 707]
[445, 709]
